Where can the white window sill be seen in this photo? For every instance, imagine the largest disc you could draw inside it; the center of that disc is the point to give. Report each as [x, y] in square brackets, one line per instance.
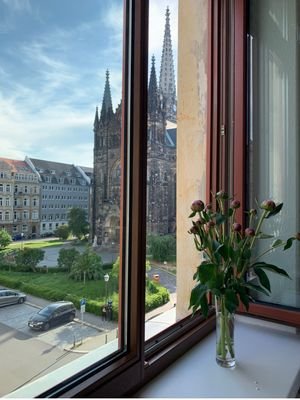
[268, 365]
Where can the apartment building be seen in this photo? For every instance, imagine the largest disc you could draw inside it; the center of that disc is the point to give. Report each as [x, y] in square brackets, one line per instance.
[19, 199]
[63, 186]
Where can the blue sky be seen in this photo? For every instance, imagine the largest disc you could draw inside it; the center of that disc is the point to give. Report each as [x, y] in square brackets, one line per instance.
[53, 58]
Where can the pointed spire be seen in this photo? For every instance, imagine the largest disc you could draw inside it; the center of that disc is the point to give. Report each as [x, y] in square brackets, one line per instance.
[106, 109]
[167, 85]
[152, 90]
[96, 120]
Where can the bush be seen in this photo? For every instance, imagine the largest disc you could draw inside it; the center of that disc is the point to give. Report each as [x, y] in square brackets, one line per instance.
[87, 266]
[156, 299]
[62, 232]
[66, 258]
[27, 259]
[5, 239]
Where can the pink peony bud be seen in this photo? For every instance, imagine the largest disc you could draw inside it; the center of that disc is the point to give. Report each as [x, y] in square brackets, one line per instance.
[235, 204]
[249, 232]
[297, 236]
[193, 230]
[268, 205]
[208, 207]
[237, 227]
[197, 206]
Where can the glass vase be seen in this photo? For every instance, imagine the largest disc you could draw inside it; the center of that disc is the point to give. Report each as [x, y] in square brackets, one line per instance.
[225, 355]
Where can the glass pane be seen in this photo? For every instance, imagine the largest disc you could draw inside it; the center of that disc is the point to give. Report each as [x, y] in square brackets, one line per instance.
[177, 115]
[274, 143]
[60, 60]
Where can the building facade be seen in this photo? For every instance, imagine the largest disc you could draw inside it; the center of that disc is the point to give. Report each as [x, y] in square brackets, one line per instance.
[63, 186]
[161, 155]
[19, 199]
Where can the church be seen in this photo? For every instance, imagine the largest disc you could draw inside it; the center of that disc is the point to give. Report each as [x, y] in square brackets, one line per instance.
[161, 155]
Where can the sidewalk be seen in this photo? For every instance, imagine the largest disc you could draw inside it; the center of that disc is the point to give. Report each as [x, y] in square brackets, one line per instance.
[156, 321]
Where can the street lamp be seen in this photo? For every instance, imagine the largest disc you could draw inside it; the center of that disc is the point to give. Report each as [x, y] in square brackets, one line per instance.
[106, 279]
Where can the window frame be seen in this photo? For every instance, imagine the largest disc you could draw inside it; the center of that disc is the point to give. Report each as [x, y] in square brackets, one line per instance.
[123, 373]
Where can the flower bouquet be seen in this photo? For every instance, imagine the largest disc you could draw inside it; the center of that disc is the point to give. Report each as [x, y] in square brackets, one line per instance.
[227, 262]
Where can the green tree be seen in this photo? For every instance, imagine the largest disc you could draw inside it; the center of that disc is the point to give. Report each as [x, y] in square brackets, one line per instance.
[5, 239]
[67, 257]
[88, 266]
[62, 232]
[116, 267]
[27, 259]
[77, 221]
[162, 247]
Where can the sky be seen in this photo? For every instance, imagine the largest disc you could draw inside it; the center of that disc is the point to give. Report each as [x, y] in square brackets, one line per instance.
[53, 59]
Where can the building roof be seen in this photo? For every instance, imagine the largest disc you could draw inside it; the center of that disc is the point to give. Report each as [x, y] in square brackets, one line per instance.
[56, 170]
[16, 166]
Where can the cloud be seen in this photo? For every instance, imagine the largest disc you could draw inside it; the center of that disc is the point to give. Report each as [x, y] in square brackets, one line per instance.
[18, 5]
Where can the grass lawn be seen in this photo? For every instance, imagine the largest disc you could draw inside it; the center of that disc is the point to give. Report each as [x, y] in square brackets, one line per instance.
[93, 290]
[37, 244]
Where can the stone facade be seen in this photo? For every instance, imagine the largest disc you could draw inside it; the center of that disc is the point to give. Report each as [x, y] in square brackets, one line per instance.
[161, 161]
[19, 199]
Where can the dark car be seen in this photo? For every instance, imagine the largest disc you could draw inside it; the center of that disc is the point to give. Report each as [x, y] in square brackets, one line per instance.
[53, 314]
[8, 296]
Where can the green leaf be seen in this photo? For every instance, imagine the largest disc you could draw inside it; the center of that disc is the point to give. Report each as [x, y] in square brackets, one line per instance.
[223, 251]
[231, 300]
[196, 295]
[230, 212]
[264, 236]
[207, 272]
[276, 210]
[289, 243]
[252, 286]
[204, 306]
[243, 296]
[192, 214]
[277, 243]
[263, 278]
[272, 268]
[220, 218]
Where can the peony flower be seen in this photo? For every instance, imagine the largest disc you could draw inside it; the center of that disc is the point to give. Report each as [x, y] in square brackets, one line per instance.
[237, 227]
[268, 205]
[235, 204]
[197, 206]
[249, 232]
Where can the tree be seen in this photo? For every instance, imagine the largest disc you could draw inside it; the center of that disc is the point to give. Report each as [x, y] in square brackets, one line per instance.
[5, 239]
[27, 259]
[88, 266]
[116, 267]
[77, 221]
[62, 232]
[162, 247]
[67, 257]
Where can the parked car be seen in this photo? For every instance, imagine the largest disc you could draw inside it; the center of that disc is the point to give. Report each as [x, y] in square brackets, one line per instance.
[8, 296]
[54, 314]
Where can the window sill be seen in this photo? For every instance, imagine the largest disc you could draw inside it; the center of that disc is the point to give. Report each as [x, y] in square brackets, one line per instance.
[268, 365]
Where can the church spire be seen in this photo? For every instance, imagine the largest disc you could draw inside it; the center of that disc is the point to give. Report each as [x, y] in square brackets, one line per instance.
[152, 90]
[96, 120]
[167, 85]
[106, 109]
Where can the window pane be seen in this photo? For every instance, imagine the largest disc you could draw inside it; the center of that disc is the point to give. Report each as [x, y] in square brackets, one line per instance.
[60, 174]
[176, 163]
[274, 143]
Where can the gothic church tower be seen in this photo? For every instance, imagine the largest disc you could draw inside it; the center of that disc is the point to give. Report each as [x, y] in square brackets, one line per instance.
[161, 156]
[106, 180]
[167, 87]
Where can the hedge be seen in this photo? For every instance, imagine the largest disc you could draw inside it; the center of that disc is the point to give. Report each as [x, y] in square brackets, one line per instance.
[158, 297]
